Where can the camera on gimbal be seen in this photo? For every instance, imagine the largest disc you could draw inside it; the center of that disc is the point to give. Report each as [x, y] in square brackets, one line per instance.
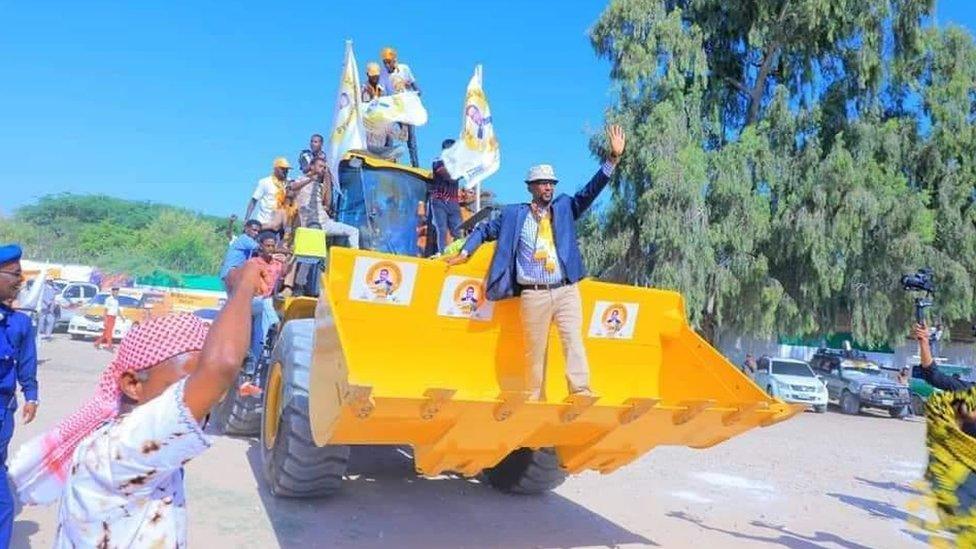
[920, 281]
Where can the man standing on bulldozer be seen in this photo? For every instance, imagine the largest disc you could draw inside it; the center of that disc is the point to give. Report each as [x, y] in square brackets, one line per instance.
[538, 259]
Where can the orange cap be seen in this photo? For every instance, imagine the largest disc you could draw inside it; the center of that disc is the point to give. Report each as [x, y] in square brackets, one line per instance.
[281, 162]
[387, 53]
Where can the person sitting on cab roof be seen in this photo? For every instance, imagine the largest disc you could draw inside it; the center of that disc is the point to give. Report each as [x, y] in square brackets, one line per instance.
[400, 78]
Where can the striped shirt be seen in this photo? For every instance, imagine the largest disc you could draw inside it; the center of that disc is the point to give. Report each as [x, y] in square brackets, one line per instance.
[528, 269]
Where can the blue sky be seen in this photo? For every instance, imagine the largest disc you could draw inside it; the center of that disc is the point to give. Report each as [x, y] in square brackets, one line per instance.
[188, 103]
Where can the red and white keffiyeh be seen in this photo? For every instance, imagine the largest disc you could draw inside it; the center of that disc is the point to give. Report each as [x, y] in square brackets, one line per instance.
[40, 468]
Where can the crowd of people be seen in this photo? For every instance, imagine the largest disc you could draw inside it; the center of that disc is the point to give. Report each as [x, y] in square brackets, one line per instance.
[280, 204]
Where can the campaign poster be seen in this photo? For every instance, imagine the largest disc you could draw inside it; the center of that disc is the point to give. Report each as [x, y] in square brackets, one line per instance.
[612, 320]
[464, 297]
[383, 281]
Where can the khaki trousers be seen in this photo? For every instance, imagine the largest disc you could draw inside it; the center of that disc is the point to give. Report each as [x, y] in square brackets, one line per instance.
[540, 308]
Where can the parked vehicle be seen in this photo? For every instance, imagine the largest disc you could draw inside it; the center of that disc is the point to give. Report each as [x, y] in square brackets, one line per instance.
[921, 390]
[791, 380]
[854, 382]
[71, 299]
[90, 322]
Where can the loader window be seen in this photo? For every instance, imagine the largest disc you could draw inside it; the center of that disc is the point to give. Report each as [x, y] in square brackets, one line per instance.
[382, 203]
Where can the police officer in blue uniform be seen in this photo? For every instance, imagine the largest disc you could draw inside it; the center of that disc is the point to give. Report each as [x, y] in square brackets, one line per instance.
[18, 364]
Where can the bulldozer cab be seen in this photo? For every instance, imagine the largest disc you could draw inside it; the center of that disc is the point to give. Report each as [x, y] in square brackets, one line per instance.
[380, 199]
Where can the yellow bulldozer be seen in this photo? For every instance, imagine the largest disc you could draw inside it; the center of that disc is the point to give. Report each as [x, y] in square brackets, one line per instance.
[385, 347]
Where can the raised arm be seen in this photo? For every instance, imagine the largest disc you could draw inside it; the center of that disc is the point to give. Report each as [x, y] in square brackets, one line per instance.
[930, 373]
[230, 226]
[225, 348]
[583, 199]
[299, 183]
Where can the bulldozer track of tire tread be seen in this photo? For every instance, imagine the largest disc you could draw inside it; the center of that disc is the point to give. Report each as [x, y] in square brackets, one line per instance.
[526, 471]
[294, 466]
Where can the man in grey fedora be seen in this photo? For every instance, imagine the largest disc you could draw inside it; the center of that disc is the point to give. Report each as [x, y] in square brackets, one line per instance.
[537, 259]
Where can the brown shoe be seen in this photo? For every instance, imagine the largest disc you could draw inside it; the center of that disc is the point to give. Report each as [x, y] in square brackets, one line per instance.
[583, 391]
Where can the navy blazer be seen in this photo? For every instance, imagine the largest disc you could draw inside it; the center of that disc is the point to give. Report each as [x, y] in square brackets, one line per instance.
[507, 227]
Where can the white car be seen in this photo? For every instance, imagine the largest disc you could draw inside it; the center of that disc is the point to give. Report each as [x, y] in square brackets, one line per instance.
[88, 324]
[792, 381]
[71, 299]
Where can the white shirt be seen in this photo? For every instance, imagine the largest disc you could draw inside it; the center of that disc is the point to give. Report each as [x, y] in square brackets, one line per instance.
[266, 195]
[111, 306]
[125, 488]
[401, 78]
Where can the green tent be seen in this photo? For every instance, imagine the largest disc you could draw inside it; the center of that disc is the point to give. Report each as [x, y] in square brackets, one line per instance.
[178, 280]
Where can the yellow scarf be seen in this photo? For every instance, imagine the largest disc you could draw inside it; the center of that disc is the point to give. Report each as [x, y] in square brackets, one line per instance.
[951, 468]
[545, 243]
[280, 184]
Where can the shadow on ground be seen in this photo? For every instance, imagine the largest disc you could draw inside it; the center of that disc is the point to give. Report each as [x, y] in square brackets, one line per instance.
[779, 535]
[904, 488]
[23, 529]
[384, 502]
[875, 508]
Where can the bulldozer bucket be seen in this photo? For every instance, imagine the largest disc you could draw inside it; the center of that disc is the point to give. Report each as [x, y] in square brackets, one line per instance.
[408, 351]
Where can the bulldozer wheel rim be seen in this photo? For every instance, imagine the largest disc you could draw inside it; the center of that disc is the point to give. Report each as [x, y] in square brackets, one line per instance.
[272, 411]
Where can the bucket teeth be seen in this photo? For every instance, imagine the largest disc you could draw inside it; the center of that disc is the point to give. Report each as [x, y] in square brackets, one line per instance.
[360, 399]
[510, 402]
[637, 408]
[692, 408]
[577, 405]
[742, 412]
[436, 399]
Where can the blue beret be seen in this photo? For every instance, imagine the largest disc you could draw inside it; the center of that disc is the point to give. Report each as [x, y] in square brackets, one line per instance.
[10, 252]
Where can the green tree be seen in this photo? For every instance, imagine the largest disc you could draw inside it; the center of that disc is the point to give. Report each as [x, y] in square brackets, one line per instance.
[137, 238]
[781, 172]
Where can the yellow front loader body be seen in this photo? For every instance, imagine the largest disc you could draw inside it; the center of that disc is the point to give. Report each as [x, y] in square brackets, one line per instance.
[398, 359]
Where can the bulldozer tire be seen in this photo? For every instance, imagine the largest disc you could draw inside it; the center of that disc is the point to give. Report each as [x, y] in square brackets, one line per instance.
[527, 471]
[238, 415]
[293, 465]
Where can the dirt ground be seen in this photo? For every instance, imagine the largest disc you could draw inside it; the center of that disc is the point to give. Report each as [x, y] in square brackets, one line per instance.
[820, 480]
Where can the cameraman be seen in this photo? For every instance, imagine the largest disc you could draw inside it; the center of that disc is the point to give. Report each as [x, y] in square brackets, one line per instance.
[935, 378]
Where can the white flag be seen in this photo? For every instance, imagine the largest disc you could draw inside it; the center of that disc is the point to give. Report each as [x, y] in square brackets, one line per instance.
[31, 299]
[404, 107]
[347, 125]
[475, 155]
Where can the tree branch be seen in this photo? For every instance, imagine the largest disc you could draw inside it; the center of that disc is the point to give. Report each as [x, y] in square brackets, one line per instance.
[772, 51]
[739, 86]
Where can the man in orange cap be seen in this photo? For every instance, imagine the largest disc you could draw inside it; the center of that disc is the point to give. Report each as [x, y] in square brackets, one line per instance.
[399, 78]
[269, 195]
[372, 88]
[380, 142]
